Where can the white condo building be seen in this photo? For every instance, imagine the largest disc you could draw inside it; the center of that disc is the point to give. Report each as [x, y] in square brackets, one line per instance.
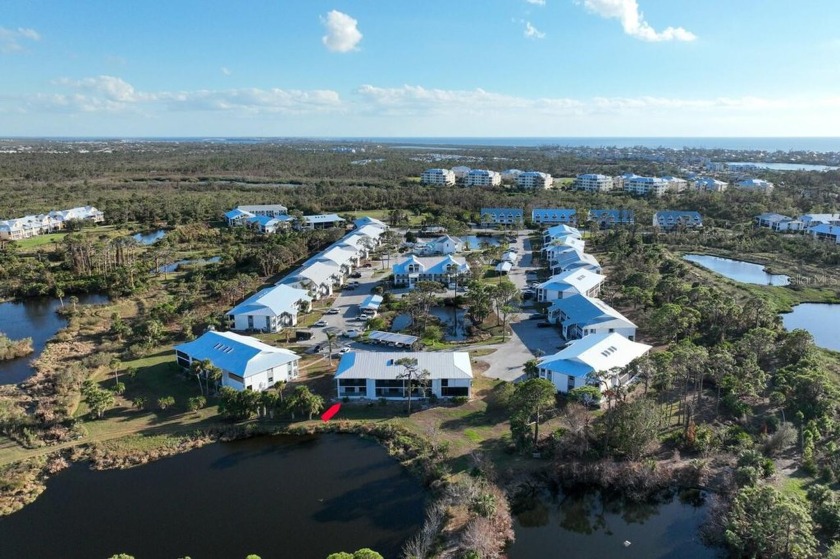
[534, 180]
[643, 186]
[482, 177]
[591, 182]
[439, 177]
[756, 185]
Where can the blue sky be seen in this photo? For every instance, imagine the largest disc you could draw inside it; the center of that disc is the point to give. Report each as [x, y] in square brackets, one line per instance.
[431, 68]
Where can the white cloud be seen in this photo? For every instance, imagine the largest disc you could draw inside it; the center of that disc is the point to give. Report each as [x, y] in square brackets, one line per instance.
[113, 95]
[536, 2]
[225, 70]
[532, 32]
[342, 32]
[109, 104]
[11, 39]
[633, 21]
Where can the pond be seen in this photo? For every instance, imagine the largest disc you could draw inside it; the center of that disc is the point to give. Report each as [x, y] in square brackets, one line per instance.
[36, 319]
[272, 496]
[473, 242]
[150, 237]
[169, 268]
[820, 319]
[744, 272]
[587, 525]
[455, 327]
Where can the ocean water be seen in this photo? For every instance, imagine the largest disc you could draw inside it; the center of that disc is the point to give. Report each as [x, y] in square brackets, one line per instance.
[814, 144]
[821, 144]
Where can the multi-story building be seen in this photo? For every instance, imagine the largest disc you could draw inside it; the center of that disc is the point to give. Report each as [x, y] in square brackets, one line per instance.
[778, 222]
[756, 185]
[672, 219]
[592, 182]
[246, 363]
[510, 175]
[502, 216]
[534, 180]
[444, 270]
[610, 218]
[378, 375]
[644, 186]
[554, 216]
[676, 184]
[33, 225]
[598, 354]
[482, 177]
[581, 315]
[439, 177]
[710, 184]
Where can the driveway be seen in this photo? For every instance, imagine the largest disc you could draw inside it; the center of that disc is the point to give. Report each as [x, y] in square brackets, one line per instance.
[527, 341]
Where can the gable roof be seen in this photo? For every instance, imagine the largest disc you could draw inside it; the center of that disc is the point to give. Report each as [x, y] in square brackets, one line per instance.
[594, 353]
[319, 273]
[272, 300]
[236, 212]
[241, 355]
[580, 279]
[362, 221]
[584, 310]
[322, 218]
[382, 365]
[561, 230]
[435, 265]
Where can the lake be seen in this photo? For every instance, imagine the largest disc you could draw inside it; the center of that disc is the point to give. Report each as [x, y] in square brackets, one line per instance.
[150, 237]
[587, 525]
[278, 496]
[36, 319]
[820, 319]
[452, 332]
[744, 272]
[473, 242]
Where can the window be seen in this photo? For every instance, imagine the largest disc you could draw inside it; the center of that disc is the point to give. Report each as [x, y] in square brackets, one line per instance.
[453, 391]
[570, 384]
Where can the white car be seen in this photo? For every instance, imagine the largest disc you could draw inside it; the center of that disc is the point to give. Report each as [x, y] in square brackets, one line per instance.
[353, 333]
[320, 323]
[332, 311]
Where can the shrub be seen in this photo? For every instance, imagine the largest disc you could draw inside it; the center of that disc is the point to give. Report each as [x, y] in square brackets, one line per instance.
[460, 400]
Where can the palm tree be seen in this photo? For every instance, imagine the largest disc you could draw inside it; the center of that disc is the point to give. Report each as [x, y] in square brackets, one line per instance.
[330, 339]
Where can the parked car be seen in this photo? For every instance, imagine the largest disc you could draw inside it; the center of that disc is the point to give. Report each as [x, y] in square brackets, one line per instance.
[356, 275]
[345, 349]
[367, 265]
[332, 311]
[320, 323]
[353, 333]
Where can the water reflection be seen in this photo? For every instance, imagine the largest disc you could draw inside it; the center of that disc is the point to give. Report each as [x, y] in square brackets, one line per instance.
[150, 237]
[745, 272]
[36, 319]
[273, 496]
[592, 524]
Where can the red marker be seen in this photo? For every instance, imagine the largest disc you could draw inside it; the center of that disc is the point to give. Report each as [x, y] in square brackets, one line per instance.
[331, 411]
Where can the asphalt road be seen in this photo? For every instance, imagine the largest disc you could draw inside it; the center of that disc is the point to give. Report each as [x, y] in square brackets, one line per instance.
[526, 340]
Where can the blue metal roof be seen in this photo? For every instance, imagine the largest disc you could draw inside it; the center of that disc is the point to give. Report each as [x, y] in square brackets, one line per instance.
[241, 355]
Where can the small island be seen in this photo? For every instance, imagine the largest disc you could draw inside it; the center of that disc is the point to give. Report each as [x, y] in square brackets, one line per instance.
[12, 349]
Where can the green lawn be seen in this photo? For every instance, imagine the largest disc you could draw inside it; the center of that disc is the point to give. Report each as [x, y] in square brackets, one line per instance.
[40, 240]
